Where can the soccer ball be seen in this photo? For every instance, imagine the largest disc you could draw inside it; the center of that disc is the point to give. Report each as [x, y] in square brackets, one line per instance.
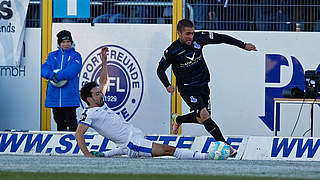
[219, 151]
[60, 83]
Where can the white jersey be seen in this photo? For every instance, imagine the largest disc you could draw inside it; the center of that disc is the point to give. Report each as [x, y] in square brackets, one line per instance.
[108, 124]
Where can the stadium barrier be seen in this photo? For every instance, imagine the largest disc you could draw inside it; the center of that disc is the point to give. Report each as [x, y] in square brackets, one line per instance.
[249, 147]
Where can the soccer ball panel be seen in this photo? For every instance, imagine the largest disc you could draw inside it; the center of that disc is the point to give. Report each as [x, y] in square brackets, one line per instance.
[219, 151]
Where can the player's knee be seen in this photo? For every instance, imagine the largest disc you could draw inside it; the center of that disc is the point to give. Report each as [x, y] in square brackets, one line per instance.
[204, 115]
[202, 119]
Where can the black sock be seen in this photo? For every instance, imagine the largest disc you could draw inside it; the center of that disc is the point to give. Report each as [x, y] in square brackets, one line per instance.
[214, 130]
[188, 118]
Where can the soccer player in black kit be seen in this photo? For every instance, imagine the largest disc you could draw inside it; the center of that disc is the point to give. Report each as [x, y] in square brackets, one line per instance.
[192, 74]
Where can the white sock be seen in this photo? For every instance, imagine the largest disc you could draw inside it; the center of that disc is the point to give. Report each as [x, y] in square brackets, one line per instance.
[115, 152]
[189, 154]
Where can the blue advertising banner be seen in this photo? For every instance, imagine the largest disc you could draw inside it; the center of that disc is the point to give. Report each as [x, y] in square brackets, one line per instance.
[71, 8]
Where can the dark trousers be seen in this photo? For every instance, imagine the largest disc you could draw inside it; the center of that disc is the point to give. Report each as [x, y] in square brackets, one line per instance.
[66, 118]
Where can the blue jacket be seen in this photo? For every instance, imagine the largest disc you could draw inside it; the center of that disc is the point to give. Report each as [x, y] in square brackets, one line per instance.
[69, 62]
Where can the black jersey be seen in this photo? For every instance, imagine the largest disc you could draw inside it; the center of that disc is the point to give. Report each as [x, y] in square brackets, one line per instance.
[187, 61]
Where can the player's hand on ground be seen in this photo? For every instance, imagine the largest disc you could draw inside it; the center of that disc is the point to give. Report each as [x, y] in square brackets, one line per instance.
[250, 47]
[90, 156]
[170, 89]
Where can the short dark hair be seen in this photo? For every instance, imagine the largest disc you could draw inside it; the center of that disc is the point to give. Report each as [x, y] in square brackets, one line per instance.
[184, 23]
[85, 91]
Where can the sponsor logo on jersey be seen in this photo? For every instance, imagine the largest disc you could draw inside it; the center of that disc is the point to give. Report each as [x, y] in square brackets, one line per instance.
[191, 58]
[196, 45]
[193, 99]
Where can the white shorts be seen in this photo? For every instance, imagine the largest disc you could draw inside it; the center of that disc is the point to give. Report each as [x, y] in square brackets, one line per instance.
[138, 146]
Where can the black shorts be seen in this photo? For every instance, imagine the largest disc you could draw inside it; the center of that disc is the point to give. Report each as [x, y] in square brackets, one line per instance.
[197, 98]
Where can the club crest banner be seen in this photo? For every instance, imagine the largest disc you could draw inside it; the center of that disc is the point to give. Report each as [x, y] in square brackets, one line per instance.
[12, 22]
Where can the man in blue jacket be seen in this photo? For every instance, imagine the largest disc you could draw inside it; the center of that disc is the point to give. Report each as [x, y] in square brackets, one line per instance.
[61, 69]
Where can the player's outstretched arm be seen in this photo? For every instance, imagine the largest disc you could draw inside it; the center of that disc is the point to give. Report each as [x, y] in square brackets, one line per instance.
[79, 135]
[104, 76]
[215, 38]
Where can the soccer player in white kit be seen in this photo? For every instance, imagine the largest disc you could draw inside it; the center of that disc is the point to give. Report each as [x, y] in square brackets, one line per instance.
[130, 140]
